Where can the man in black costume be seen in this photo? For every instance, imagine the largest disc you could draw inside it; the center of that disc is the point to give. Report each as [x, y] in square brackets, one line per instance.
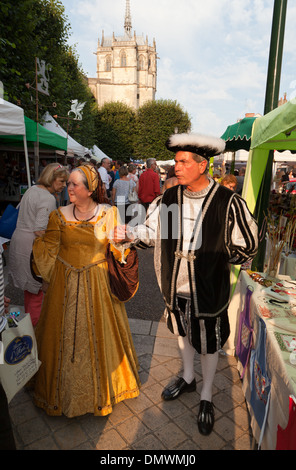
[198, 229]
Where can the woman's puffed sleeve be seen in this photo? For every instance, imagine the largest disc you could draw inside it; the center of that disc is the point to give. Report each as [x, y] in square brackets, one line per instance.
[46, 248]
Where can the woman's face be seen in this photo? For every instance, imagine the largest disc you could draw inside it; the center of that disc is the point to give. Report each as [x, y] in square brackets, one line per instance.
[58, 185]
[76, 188]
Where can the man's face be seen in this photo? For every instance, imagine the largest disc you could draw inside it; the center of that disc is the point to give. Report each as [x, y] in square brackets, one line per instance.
[106, 164]
[188, 171]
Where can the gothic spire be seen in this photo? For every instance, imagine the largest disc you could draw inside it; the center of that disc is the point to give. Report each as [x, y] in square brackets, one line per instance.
[128, 19]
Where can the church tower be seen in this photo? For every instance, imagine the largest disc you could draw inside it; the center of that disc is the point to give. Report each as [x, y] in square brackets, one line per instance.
[126, 68]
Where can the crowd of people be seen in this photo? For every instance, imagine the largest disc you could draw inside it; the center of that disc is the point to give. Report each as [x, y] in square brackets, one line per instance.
[57, 256]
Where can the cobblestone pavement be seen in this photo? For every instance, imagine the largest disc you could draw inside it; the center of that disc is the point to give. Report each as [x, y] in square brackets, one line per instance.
[147, 422]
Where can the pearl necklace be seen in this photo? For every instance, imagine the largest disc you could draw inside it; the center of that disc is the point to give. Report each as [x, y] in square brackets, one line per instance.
[86, 220]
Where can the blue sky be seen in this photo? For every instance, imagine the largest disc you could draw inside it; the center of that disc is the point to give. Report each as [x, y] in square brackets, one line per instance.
[213, 54]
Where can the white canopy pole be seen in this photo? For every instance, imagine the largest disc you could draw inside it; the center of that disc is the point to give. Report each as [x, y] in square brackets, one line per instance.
[27, 161]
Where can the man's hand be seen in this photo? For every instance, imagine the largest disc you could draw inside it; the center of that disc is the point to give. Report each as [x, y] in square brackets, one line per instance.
[6, 304]
[119, 234]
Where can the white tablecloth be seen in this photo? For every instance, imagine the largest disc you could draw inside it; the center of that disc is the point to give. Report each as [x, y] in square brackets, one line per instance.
[280, 326]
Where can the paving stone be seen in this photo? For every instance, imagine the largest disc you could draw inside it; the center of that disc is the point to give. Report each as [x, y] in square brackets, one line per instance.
[173, 408]
[188, 423]
[153, 392]
[23, 412]
[94, 426]
[110, 440]
[154, 418]
[211, 442]
[241, 417]
[224, 402]
[166, 347]
[143, 344]
[187, 445]
[56, 422]
[32, 430]
[149, 442]
[171, 436]
[227, 429]
[120, 413]
[47, 443]
[139, 404]
[222, 382]
[160, 372]
[244, 442]
[133, 430]
[237, 393]
[71, 436]
[140, 328]
[148, 360]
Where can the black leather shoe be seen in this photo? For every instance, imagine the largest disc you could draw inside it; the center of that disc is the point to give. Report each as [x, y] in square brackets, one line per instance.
[206, 417]
[175, 390]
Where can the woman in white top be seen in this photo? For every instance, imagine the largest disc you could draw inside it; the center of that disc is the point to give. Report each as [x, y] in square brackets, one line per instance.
[120, 193]
[132, 169]
[36, 205]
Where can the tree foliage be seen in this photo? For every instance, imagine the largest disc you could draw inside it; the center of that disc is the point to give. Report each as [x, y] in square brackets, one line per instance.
[156, 121]
[39, 28]
[123, 133]
[116, 128]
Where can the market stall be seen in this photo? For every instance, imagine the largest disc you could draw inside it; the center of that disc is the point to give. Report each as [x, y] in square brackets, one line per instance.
[263, 306]
[263, 318]
[45, 138]
[274, 131]
[12, 123]
[14, 140]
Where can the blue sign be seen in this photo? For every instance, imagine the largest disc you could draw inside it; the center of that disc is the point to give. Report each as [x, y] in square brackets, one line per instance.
[18, 350]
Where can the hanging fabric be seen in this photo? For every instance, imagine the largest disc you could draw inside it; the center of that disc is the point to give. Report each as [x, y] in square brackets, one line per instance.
[245, 333]
[259, 381]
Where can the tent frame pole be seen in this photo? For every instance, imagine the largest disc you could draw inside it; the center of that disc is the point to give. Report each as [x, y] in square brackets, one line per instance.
[271, 102]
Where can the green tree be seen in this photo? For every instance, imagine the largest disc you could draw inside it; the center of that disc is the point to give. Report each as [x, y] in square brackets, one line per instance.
[115, 128]
[156, 121]
[39, 28]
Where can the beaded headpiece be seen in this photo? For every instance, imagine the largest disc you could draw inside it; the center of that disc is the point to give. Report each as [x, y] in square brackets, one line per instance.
[91, 176]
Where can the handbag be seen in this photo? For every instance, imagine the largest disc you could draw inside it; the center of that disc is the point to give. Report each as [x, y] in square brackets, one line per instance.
[8, 221]
[123, 277]
[19, 358]
[132, 195]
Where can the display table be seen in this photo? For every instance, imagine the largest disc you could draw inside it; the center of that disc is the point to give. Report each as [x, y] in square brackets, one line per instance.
[280, 321]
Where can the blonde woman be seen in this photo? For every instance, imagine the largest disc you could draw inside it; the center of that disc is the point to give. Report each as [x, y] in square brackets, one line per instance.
[36, 205]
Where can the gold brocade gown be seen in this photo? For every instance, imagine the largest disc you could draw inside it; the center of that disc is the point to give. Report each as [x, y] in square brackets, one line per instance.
[88, 360]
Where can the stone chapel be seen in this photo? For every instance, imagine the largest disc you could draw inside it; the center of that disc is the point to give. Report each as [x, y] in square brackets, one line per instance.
[126, 68]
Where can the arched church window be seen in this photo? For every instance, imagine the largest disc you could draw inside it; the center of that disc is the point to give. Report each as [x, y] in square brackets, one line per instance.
[108, 63]
[141, 62]
[122, 59]
[150, 61]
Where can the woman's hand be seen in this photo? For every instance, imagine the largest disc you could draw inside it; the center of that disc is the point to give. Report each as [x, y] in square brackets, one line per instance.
[40, 233]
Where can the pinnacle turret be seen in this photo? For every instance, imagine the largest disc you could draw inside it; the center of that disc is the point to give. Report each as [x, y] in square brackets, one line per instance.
[128, 19]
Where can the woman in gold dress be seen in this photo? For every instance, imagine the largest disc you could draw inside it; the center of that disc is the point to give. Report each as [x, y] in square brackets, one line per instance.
[88, 360]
